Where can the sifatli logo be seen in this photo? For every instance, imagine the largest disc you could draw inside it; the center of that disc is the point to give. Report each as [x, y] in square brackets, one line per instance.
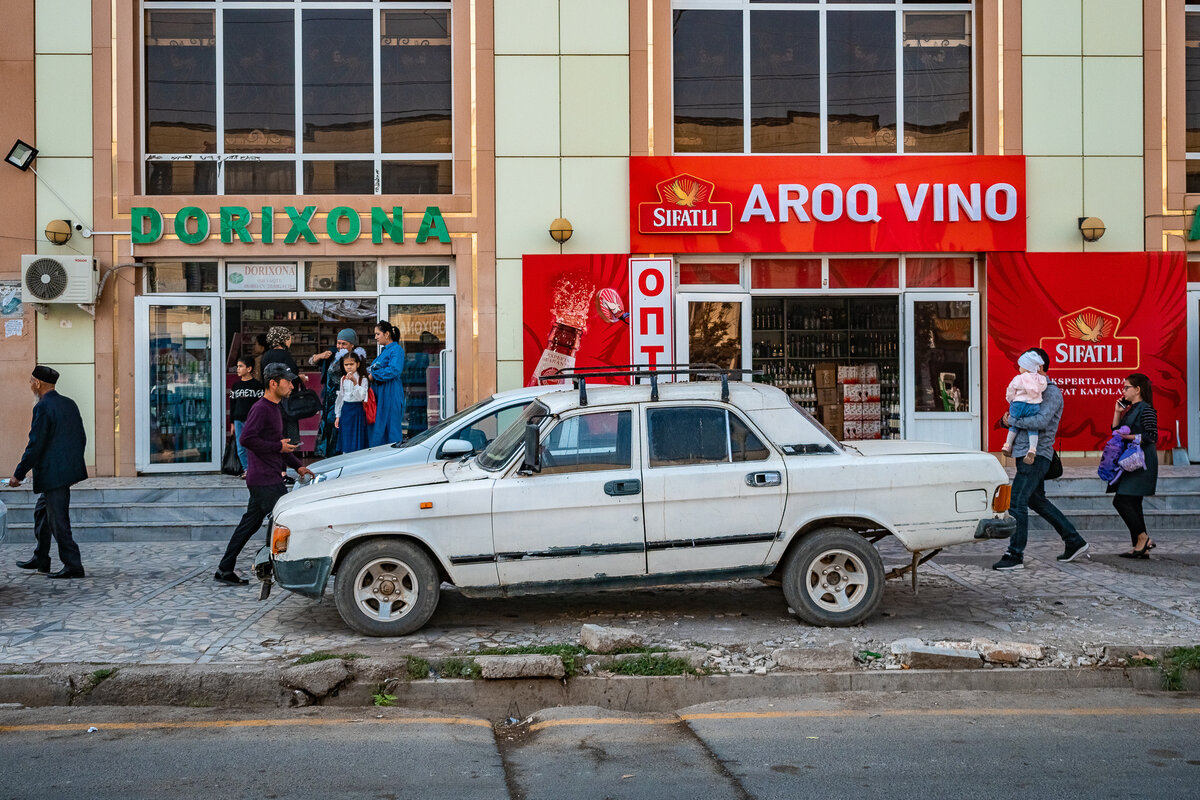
[1089, 341]
[685, 205]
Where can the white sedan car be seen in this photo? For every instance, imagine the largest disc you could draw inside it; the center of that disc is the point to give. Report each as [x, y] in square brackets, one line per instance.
[468, 431]
[630, 487]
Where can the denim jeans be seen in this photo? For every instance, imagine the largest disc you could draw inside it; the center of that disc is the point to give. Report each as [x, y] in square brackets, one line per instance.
[237, 439]
[1029, 492]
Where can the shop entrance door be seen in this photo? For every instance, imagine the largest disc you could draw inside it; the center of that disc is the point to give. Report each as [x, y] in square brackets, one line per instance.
[713, 329]
[178, 401]
[426, 326]
[940, 381]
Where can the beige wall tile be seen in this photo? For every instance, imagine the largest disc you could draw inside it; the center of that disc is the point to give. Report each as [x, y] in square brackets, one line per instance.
[508, 308]
[1112, 191]
[70, 351]
[595, 106]
[596, 201]
[1112, 28]
[526, 27]
[1112, 106]
[1054, 189]
[64, 105]
[594, 26]
[510, 375]
[1052, 27]
[527, 110]
[71, 178]
[63, 26]
[1051, 107]
[527, 201]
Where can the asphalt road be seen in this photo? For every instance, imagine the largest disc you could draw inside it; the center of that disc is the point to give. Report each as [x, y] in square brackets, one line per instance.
[1097, 744]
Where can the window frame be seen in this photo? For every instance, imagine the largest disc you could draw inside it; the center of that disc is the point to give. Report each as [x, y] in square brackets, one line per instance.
[823, 7]
[298, 158]
[1189, 9]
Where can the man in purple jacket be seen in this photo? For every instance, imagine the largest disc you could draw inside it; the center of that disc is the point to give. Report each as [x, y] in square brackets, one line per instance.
[269, 453]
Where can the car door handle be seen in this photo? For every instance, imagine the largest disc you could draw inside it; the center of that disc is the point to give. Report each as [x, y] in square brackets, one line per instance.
[771, 478]
[615, 488]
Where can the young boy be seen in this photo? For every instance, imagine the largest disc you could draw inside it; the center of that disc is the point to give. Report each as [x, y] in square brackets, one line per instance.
[242, 395]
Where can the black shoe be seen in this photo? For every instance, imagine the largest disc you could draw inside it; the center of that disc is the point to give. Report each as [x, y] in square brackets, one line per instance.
[1008, 564]
[33, 563]
[1072, 551]
[67, 572]
[230, 578]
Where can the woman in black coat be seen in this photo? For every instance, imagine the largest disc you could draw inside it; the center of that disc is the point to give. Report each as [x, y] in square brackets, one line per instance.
[1135, 409]
[280, 340]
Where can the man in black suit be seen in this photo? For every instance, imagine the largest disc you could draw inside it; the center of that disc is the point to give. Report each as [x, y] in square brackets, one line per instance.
[55, 454]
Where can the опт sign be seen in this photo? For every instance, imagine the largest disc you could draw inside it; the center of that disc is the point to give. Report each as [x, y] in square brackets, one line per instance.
[1099, 317]
[860, 204]
[343, 225]
[651, 297]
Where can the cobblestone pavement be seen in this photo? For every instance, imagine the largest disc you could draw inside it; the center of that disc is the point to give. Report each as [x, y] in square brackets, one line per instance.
[156, 603]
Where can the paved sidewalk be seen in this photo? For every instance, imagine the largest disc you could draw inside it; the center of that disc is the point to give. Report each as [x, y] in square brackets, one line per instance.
[156, 603]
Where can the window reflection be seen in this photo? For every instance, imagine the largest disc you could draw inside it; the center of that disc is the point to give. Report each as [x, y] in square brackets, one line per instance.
[181, 177]
[1192, 90]
[862, 81]
[260, 177]
[937, 83]
[181, 77]
[339, 177]
[417, 177]
[338, 85]
[708, 81]
[941, 348]
[785, 82]
[715, 333]
[260, 99]
[415, 97]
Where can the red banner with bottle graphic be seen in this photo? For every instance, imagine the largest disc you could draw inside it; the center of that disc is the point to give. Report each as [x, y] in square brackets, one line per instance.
[1099, 317]
[575, 313]
[826, 204]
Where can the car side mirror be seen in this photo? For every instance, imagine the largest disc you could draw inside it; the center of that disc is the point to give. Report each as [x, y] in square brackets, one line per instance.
[533, 450]
[453, 448]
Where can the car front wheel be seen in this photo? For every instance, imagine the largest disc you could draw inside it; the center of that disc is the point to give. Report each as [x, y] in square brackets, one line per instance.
[834, 577]
[386, 587]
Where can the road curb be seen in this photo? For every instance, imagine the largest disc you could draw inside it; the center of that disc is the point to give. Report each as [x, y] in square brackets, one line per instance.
[259, 685]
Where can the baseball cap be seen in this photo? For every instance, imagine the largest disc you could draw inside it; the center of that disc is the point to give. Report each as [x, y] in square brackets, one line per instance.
[278, 372]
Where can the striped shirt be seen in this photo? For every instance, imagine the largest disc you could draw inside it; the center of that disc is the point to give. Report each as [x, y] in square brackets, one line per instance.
[1148, 424]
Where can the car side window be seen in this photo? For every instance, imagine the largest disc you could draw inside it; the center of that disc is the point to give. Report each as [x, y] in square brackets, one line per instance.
[700, 435]
[589, 442]
[482, 431]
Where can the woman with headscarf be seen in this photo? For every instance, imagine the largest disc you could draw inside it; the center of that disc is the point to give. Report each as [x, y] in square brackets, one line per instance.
[279, 339]
[385, 372]
[331, 378]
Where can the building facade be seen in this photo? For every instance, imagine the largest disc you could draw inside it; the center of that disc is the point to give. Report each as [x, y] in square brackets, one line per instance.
[894, 189]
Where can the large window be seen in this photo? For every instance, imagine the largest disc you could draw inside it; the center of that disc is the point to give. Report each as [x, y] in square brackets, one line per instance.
[1192, 87]
[817, 76]
[298, 98]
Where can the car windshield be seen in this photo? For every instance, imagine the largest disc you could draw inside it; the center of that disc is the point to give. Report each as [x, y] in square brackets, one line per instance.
[445, 424]
[498, 453]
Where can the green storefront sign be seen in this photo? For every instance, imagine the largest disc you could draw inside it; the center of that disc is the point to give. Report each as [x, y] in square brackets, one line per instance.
[343, 225]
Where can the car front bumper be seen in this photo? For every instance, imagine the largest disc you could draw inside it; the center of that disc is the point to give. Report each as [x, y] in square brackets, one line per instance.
[1001, 528]
[306, 576]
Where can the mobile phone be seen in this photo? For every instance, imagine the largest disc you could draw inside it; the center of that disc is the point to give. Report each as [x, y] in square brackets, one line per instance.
[1123, 403]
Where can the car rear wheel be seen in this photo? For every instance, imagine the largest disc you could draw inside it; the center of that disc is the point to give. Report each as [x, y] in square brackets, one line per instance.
[386, 587]
[834, 577]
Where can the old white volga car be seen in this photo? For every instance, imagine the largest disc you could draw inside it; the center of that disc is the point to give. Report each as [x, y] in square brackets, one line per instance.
[632, 486]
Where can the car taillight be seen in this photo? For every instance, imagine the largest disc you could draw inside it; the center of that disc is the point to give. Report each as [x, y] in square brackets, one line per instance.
[1001, 498]
[279, 539]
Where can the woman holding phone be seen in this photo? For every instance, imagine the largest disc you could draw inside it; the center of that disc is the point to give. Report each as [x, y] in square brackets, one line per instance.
[1135, 409]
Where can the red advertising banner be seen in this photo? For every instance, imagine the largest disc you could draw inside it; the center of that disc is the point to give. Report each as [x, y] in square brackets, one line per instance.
[826, 204]
[1099, 316]
[575, 313]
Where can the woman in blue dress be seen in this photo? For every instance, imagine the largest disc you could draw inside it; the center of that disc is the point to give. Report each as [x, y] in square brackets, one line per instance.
[385, 372]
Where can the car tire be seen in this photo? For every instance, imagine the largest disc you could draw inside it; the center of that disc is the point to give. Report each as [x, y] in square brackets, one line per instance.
[386, 587]
[833, 577]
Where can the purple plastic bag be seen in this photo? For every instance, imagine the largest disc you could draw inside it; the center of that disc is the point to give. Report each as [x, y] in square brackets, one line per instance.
[1133, 458]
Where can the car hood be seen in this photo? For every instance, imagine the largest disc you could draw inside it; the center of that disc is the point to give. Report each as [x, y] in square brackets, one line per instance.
[362, 459]
[398, 478]
[903, 447]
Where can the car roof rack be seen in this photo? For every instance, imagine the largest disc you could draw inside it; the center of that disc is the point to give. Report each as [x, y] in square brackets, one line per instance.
[641, 372]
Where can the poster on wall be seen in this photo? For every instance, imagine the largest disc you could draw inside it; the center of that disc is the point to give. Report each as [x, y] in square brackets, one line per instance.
[575, 313]
[1099, 317]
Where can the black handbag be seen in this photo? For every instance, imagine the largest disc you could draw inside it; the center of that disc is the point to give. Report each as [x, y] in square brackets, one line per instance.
[1055, 470]
[230, 463]
[300, 404]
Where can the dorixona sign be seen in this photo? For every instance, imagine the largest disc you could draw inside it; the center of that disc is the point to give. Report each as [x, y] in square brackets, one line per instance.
[343, 225]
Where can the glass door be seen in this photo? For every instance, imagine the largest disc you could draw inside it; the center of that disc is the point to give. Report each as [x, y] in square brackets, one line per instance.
[712, 329]
[426, 326]
[941, 381]
[178, 401]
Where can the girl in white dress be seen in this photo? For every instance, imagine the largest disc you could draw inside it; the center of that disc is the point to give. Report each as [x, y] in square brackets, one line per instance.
[349, 417]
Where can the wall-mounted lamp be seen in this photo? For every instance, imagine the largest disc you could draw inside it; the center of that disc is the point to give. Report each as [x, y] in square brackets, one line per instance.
[58, 231]
[1092, 228]
[22, 155]
[560, 230]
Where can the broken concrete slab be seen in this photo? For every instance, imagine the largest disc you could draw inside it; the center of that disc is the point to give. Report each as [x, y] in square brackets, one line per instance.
[600, 639]
[1007, 652]
[930, 657]
[522, 666]
[317, 679]
[814, 658]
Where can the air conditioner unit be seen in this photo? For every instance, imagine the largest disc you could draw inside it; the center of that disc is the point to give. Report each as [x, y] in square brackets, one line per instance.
[58, 279]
